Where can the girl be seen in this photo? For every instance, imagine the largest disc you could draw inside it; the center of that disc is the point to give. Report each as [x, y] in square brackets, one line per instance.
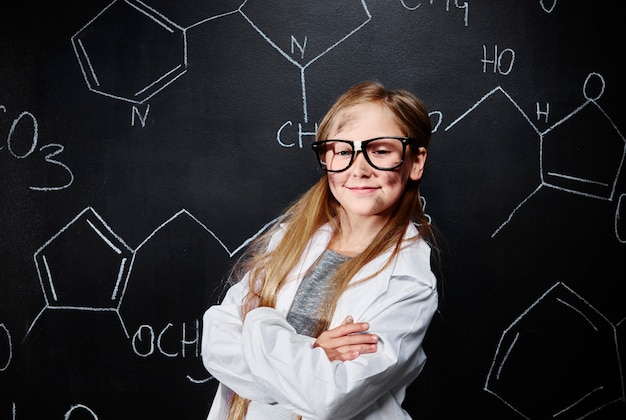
[331, 305]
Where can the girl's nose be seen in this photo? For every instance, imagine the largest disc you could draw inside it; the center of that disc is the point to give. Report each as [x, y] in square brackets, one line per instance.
[360, 165]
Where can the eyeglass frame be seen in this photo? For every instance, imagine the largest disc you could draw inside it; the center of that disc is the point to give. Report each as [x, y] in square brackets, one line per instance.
[359, 146]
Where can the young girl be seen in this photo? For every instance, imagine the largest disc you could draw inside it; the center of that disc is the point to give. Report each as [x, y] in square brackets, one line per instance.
[328, 315]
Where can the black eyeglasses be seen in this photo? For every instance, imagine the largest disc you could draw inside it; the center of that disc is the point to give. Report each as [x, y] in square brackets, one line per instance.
[382, 153]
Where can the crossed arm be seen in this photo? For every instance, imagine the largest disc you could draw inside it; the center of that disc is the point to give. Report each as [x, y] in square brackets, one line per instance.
[347, 341]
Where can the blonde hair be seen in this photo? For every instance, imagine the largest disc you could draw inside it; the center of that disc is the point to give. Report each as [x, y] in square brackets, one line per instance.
[268, 270]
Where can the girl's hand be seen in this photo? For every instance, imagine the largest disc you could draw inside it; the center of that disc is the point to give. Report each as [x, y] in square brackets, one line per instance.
[347, 341]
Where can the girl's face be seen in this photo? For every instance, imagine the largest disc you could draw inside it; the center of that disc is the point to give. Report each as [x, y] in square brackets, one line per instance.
[362, 190]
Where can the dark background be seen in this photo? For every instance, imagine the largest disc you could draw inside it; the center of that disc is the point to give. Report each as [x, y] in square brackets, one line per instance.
[143, 144]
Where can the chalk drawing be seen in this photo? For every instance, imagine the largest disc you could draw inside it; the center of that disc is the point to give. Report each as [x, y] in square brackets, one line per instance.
[548, 8]
[463, 6]
[86, 266]
[539, 369]
[300, 39]
[25, 129]
[151, 51]
[610, 152]
[88, 232]
[289, 36]
[83, 266]
[80, 408]
[620, 222]
[9, 349]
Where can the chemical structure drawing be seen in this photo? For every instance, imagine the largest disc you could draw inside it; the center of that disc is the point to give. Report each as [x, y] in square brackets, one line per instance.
[151, 49]
[83, 266]
[567, 175]
[539, 350]
[86, 266]
[301, 39]
[154, 49]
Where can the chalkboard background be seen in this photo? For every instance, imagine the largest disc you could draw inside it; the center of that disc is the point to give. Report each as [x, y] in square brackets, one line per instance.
[142, 144]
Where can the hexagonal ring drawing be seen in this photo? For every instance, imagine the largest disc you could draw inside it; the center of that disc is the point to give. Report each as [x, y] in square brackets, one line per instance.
[129, 51]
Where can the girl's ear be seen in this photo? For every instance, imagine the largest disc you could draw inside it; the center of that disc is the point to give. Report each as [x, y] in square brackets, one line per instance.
[419, 159]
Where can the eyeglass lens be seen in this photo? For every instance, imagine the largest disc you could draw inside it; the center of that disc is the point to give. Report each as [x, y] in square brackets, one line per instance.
[383, 153]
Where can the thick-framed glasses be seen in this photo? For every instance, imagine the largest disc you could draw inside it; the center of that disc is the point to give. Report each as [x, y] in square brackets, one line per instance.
[382, 153]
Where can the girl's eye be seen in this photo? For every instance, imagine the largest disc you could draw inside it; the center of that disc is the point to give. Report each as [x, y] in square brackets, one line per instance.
[380, 151]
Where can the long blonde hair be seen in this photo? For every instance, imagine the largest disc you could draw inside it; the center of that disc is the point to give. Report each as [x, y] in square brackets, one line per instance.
[269, 270]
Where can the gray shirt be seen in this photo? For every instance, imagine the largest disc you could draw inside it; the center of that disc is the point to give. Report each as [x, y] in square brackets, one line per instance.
[311, 293]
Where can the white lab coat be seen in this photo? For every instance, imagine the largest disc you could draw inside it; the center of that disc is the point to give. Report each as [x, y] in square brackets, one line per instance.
[265, 360]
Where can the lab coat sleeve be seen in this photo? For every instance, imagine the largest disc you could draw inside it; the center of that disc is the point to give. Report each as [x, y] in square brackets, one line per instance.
[287, 368]
[222, 350]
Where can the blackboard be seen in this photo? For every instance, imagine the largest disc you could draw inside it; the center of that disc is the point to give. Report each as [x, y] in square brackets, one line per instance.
[144, 143]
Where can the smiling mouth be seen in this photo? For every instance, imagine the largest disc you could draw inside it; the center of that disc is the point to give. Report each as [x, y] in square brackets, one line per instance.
[357, 189]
